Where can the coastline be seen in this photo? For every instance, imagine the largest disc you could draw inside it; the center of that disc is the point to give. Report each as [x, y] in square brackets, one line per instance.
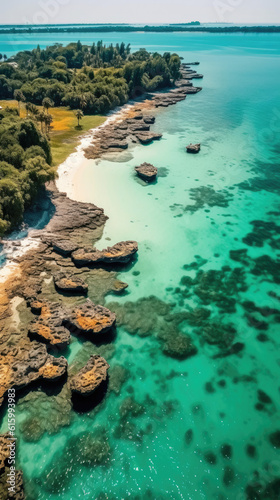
[68, 170]
[61, 257]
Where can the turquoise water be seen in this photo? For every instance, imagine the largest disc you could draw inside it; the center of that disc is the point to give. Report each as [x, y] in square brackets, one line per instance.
[196, 428]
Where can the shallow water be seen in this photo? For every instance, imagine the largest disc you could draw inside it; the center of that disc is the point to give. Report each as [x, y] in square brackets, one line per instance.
[171, 447]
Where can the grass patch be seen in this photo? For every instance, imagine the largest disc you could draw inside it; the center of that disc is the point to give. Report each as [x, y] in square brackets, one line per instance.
[64, 134]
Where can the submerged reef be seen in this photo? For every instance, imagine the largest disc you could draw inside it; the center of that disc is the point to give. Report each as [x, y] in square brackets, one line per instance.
[90, 449]
[217, 286]
[206, 195]
[152, 317]
[262, 232]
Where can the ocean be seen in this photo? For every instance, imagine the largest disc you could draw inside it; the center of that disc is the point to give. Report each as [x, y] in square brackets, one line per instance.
[208, 230]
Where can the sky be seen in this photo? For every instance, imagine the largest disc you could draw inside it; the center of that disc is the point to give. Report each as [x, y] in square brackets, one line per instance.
[143, 11]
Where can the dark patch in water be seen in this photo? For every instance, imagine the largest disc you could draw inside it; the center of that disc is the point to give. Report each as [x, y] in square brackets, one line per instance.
[206, 195]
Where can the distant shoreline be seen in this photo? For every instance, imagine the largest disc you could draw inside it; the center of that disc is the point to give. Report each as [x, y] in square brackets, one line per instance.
[129, 29]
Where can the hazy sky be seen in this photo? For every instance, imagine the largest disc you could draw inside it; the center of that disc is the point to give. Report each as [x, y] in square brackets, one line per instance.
[143, 11]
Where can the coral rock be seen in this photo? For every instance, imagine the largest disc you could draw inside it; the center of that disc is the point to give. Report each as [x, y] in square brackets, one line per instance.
[48, 327]
[90, 377]
[64, 247]
[147, 172]
[71, 284]
[148, 137]
[120, 253]
[91, 319]
[193, 148]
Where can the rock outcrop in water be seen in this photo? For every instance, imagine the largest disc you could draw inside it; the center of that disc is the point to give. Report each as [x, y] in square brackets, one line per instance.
[121, 253]
[89, 378]
[21, 367]
[70, 284]
[147, 172]
[48, 327]
[148, 137]
[193, 148]
[90, 319]
[134, 126]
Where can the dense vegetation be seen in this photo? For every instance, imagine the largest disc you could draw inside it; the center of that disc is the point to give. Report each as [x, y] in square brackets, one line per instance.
[94, 79]
[88, 79]
[25, 159]
[189, 27]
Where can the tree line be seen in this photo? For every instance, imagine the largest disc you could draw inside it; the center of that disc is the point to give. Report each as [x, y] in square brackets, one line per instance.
[93, 78]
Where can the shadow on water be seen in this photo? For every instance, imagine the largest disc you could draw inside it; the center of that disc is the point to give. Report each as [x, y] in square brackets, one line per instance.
[115, 267]
[97, 339]
[84, 404]
[50, 388]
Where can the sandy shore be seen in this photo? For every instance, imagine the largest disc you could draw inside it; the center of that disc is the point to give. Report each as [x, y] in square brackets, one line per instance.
[68, 171]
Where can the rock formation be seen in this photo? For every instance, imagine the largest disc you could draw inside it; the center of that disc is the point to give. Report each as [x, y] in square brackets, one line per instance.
[148, 137]
[121, 253]
[147, 172]
[90, 319]
[193, 148]
[48, 328]
[90, 377]
[69, 283]
[20, 367]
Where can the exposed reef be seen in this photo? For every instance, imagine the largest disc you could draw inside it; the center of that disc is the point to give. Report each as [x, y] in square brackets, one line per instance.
[89, 378]
[48, 327]
[133, 126]
[90, 319]
[121, 253]
[20, 367]
[70, 284]
[147, 172]
[193, 148]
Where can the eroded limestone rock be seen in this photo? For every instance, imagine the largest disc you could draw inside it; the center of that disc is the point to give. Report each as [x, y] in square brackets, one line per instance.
[90, 319]
[90, 377]
[147, 172]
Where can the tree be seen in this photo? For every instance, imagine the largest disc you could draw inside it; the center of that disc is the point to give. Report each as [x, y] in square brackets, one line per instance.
[28, 107]
[19, 97]
[79, 115]
[83, 101]
[41, 117]
[47, 103]
[48, 121]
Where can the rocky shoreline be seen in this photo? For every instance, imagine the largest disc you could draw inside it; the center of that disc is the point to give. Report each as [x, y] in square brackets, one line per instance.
[50, 283]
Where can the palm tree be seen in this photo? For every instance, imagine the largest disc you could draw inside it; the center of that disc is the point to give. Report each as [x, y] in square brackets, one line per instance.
[79, 115]
[47, 103]
[83, 101]
[48, 121]
[19, 97]
[34, 110]
[41, 118]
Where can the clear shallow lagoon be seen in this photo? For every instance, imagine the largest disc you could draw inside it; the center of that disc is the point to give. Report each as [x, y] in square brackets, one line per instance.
[173, 445]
